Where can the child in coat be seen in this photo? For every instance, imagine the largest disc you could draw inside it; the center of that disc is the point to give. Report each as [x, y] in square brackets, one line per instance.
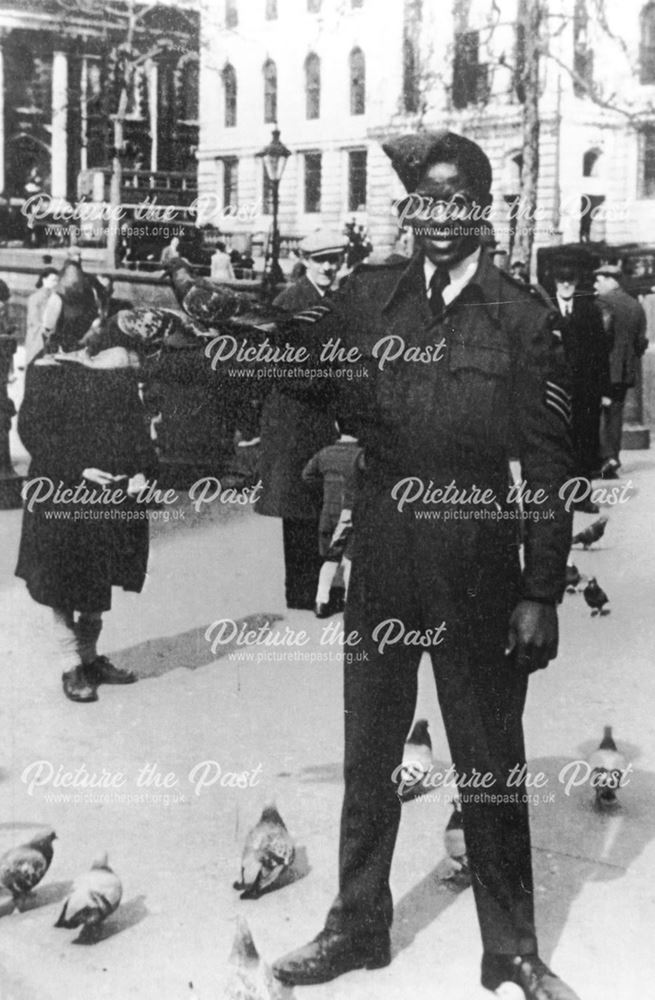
[335, 466]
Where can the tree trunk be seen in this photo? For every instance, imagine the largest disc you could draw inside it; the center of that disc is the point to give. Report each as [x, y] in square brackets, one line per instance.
[529, 14]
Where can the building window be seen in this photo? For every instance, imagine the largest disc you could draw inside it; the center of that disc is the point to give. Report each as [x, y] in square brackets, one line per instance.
[230, 89]
[590, 163]
[356, 180]
[312, 86]
[313, 6]
[267, 194]
[583, 56]
[647, 185]
[647, 44]
[230, 182]
[357, 82]
[271, 10]
[231, 14]
[270, 91]
[410, 77]
[188, 90]
[312, 182]
[470, 77]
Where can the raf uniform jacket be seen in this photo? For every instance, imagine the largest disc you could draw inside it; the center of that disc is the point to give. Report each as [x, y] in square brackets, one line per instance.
[483, 383]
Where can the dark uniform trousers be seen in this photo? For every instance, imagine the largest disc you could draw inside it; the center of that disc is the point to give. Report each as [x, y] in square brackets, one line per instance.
[481, 694]
[494, 390]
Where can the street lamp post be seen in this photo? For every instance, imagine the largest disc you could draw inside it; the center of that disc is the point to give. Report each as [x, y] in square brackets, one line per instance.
[275, 157]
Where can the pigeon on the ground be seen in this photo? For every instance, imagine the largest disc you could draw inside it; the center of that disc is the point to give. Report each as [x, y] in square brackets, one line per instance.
[417, 760]
[607, 767]
[267, 853]
[573, 577]
[22, 868]
[249, 977]
[592, 534]
[596, 598]
[95, 895]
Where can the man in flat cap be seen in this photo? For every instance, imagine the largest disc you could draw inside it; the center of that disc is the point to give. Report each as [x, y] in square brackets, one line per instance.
[628, 321]
[458, 371]
[293, 429]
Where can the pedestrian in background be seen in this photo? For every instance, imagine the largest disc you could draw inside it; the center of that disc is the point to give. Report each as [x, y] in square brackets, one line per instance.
[586, 351]
[36, 306]
[221, 265]
[334, 467]
[628, 345]
[293, 429]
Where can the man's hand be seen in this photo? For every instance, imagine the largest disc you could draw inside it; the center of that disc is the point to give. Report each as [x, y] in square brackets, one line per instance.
[533, 634]
[605, 401]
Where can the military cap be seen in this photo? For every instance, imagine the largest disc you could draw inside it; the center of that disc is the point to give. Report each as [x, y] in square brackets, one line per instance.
[323, 242]
[412, 154]
[610, 270]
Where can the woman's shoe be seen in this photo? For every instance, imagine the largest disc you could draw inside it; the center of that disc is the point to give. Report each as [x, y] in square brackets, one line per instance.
[78, 686]
[103, 671]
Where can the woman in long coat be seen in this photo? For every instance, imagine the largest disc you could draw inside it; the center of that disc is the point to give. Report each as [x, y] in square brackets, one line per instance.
[84, 530]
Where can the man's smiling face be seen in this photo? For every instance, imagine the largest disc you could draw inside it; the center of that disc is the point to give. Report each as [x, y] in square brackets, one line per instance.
[447, 226]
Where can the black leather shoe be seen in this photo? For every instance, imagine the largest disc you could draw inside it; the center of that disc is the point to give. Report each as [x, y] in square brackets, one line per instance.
[103, 671]
[527, 971]
[322, 610]
[78, 686]
[329, 955]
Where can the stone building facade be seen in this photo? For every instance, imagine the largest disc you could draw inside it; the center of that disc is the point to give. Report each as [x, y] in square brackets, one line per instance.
[339, 75]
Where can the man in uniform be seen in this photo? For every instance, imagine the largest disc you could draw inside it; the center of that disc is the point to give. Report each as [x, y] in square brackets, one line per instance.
[449, 584]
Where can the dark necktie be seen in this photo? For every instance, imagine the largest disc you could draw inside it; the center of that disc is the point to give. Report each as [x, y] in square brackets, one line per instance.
[438, 282]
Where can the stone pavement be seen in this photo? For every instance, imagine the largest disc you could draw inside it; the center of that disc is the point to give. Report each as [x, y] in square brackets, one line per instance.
[275, 718]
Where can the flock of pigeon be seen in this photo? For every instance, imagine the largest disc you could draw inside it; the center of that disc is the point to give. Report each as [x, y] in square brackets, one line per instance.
[593, 593]
[94, 895]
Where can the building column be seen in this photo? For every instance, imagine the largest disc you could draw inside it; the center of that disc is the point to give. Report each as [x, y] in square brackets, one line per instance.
[2, 111]
[84, 113]
[153, 108]
[59, 150]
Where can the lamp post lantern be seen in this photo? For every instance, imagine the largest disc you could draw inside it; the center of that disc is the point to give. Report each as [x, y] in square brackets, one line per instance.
[275, 157]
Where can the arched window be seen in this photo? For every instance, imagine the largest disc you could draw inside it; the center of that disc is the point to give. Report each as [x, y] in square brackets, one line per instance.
[270, 91]
[357, 82]
[590, 163]
[230, 90]
[312, 86]
[188, 91]
[647, 44]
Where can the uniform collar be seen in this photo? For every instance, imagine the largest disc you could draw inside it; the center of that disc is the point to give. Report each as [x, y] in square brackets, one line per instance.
[486, 281]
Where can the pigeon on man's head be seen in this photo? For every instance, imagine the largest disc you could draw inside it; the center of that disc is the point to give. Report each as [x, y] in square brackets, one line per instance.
[417, 760]
[589, 535]
[596, 598]
[249, 977]
[607, 768]
[267, 854]
[22, 868]
[94, 896]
